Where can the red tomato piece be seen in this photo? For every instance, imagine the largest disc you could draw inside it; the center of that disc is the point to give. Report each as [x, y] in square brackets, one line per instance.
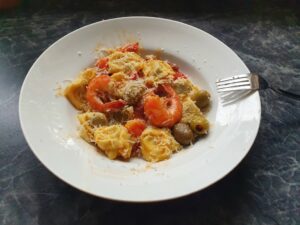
[139, 111]
[102, 63]
[134, 47]
[178, 75]
[136, 127]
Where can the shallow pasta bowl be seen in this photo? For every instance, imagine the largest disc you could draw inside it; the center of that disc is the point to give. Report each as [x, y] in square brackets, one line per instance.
[50, 126]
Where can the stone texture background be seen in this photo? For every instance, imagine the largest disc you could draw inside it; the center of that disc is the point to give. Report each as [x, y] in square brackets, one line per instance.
[264, 189]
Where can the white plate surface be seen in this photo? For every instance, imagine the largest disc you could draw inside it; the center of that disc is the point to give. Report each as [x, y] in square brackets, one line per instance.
[50, 126]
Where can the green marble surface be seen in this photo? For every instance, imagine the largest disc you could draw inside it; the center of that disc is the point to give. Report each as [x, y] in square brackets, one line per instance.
[264, 189]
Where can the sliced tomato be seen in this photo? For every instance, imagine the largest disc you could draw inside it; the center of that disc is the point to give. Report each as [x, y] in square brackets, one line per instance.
[136, 127]
[102, 63]
[178, 75]
[133, 47]
[139, 111]
[174, 66]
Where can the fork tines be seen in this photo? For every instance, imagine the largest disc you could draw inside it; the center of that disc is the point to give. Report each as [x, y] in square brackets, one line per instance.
[234, 83]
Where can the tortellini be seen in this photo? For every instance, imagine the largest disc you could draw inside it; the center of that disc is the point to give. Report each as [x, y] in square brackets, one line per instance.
[119, 77]
[157, 71]
[132, 105]
[89, 121]
[133, 91]
[182, 86]
[192, 115]
[114, 141]
[158, 144]
[185, 87]
[122, 116]
[124, 62]
[76, 91]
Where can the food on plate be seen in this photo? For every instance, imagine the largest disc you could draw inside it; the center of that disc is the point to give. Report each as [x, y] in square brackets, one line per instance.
[89, 122]
[183, 133]
[114, 141]
[158, 144]
[193, 116]
[162, 106]
[134, 105]
[76, 92]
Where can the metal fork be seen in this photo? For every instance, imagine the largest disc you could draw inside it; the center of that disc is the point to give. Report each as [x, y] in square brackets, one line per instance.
[246, 83]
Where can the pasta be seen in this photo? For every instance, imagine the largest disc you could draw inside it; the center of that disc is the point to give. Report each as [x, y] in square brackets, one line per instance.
[183, 86]
[157, 71]
[124, 62]
[76, 91]
[158, 144]
[89, 121]
[114, 141]
[133, 105]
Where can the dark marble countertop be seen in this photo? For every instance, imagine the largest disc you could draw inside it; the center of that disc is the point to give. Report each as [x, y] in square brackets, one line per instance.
[264, 189]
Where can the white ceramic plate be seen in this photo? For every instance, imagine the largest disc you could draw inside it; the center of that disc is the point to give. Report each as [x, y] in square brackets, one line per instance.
[50, 126]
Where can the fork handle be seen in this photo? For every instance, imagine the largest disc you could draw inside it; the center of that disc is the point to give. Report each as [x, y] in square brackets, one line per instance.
[286, 93]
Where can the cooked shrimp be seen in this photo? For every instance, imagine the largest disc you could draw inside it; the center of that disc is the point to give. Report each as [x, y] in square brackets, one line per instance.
[163, 111]
[98, 91]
